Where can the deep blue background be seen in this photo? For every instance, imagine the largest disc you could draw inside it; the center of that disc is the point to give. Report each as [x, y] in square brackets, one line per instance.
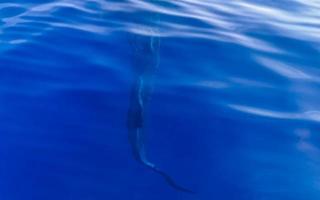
[233, 114]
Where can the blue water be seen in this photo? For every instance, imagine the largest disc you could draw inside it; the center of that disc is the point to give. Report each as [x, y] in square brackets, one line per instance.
[233, 111]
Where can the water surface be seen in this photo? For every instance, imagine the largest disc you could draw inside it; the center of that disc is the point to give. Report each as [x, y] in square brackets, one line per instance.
[233, 114]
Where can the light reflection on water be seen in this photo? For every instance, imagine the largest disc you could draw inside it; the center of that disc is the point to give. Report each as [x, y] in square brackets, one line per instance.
[238, 81]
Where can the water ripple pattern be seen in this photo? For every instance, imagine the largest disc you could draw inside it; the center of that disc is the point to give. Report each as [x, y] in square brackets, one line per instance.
[234, 112]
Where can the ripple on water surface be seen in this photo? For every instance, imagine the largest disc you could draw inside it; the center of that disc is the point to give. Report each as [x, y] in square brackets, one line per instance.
[234, 111]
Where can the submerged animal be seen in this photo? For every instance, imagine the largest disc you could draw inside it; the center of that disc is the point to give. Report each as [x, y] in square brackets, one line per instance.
[145, 62]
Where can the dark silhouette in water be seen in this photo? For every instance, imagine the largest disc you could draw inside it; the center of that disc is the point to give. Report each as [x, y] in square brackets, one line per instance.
[145, 62]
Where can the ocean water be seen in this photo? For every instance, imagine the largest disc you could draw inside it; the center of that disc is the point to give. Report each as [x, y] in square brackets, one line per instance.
[231, 111]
